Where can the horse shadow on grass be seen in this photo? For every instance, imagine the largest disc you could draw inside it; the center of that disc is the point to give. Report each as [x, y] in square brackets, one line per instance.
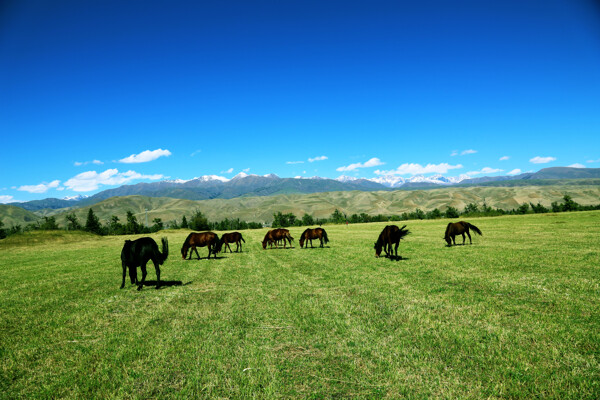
[397, 258]
[167, 283]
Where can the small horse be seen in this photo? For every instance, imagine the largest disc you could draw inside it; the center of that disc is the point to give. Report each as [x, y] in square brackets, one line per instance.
[391, 234]
[316, 233]
[201, 239]
[275, 235]
[459, 228]
[137, 253]
[233, 237]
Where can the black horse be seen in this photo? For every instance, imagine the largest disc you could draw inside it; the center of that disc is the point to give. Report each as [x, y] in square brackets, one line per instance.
[390, 235]
[459, 228]
[137, 253]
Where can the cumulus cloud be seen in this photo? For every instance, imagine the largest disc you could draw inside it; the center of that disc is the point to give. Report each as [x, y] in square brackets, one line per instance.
[373, 162]
[515, 171]
[145, 156]
[92, 180]
[6, 199]
[294, 162]
[41, 188]
[486, 170]
[320, 158]
[542, 160]
[577, 165]
[504, 158]
[418, 169]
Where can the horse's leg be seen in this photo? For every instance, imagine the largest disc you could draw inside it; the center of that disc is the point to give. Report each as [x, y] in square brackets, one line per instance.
[321, 239]
[396, 249]
[463, 235]
[454, 240]
[124, 269]
[469, 235]
[144, 273]
[197, 254]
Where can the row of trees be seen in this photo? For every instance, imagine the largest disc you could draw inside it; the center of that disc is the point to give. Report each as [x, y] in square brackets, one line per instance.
[471, 210]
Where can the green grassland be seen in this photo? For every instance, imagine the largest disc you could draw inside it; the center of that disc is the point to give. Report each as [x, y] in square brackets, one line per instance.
[515, 315]
[322, 205]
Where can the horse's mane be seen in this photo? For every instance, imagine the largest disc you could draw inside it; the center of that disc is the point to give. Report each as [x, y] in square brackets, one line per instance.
[448, 229]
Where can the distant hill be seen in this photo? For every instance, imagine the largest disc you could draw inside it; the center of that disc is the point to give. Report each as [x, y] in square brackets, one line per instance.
[12, 215]
[243, 185]
[321, 205]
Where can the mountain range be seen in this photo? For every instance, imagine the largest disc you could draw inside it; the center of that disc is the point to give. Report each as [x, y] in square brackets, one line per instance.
[244, 185]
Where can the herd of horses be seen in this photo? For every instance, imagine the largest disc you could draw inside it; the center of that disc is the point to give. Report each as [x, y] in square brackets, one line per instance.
[137, 253]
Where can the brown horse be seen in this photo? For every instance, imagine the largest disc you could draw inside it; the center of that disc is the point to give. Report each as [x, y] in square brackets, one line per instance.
[316, 233]
[200, 239]
[275, 235]
[233, 237]
[459, 228]
[390, 235]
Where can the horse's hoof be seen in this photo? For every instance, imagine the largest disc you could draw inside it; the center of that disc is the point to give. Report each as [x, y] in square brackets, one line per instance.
[140, 287]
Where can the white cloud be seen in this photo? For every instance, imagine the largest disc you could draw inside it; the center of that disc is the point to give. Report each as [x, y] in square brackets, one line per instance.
[294, 162]
[504, 158]
[542, 160]
[577, 165]
[246, 170]
[91, 180]
[6, 199]
[486, 170]
[194, 153]
[515, 171]
[41, 188]
[463, 153]
[145, 156]
[80, 163]
[593, 161]
[230, 170]
[320, 158]
[373, 162]
[418, 169]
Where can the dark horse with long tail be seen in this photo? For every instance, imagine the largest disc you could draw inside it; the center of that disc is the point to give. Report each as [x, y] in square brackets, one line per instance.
[137, 253]
[310, 234]
[200, 239]
[233, 237]
[390, 235]
[459, 228]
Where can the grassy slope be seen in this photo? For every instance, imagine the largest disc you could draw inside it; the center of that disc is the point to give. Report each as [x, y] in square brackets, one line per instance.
[514, 315]
[261, 209]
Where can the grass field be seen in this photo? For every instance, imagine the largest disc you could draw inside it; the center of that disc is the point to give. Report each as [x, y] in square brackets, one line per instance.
[515, 315]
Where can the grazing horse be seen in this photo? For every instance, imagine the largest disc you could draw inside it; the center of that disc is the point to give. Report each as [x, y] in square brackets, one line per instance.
[390, 235]
[310, 234]
[459, 228]
[201, 239]
[275, 235]
[233, 237]
[137, 253]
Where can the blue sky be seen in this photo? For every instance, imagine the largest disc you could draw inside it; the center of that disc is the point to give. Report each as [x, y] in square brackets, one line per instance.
[96, 94]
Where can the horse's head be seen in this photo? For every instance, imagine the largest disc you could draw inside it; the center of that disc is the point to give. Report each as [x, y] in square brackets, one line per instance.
[377, 246]
[301, 241]
[218, 246]
[447, 239]
[133, 274]
[264, 244]
[184, 251]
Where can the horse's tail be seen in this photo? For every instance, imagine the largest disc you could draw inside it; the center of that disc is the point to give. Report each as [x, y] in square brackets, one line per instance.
[403, 232]
[242, 238]
[476, 229]
[165, 251]
[325, 238]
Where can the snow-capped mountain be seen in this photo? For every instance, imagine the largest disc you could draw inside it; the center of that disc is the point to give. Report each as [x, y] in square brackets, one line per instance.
[75, 198]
